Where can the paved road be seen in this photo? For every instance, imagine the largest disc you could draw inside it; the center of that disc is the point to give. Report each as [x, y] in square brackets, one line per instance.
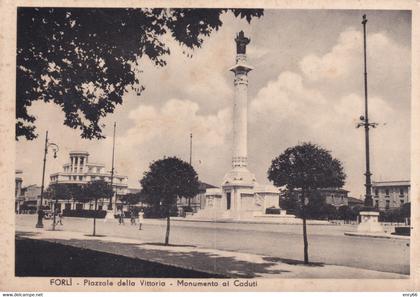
[327, 244]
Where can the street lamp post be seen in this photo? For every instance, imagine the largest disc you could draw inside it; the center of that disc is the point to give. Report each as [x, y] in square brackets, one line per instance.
[366, 124]
[369, 217]
[39, 223]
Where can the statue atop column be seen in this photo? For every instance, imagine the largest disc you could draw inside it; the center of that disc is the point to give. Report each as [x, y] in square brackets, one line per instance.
[241, 42]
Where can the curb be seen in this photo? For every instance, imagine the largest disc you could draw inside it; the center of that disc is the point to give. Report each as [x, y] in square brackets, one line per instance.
[376, 235]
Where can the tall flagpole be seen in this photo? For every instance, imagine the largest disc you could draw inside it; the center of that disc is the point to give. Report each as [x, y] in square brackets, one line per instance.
[189, 199]
[112, 170]
[190, 148]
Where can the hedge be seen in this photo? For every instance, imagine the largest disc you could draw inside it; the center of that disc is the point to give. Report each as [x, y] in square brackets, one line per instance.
[84, 213]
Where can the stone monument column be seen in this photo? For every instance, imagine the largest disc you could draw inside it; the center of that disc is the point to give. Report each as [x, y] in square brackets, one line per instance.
[240, 103]
[239, 181]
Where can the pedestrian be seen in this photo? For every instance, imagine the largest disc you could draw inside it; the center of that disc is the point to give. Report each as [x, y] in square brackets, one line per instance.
[60, 218]
[122, 217]
[132, 217]
[141, 218]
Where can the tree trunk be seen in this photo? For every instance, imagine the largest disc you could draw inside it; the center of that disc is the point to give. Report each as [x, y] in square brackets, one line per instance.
[305, 235]
[94, 217]
[168, 228]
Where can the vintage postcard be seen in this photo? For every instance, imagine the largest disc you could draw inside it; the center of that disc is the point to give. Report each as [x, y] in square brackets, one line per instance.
[209, 146]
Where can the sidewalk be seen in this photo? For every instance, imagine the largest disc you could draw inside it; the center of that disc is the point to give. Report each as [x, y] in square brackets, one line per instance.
[228, 263]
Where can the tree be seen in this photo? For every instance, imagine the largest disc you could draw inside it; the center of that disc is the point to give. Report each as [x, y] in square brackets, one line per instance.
[315, 207]
[306, 167]
[57, 191]
[85, 59]
[131, 198]
[406, 210]
[289, 202]
[77, 193]
[95, 190]
[331, 212]
[346, 213]
[166, 180]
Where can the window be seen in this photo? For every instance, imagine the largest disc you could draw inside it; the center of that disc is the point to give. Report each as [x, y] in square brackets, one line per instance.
[401, 191]
[401, 202]
[79, 206]
[387, 204]
[376, 192]
[376, 203]
[80, 177]
[387, 192]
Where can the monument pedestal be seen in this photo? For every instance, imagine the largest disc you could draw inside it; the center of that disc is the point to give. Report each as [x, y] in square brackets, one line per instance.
[369, 222]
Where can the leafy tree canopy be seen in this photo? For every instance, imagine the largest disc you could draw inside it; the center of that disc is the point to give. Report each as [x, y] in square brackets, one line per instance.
[316, 205]
[58, 191]
[168, 179]
[84, 60]
[306, 166]
[97, 189]
[132, 198]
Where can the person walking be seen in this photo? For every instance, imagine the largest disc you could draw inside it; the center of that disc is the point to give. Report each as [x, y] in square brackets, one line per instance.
[122, 216]
[132, 217]
[60, 218]
[141, 218]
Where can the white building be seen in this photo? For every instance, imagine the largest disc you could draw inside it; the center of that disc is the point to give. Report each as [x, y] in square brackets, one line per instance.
[79, 170]
[390, 194]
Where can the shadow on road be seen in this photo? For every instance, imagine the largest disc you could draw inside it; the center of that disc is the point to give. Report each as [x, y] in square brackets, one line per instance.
[293, 262]
[98, 258]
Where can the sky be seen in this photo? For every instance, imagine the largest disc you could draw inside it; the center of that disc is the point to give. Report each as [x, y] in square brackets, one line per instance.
[307, 86]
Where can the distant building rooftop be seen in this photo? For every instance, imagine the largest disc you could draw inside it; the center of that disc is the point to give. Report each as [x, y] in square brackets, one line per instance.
[391, 183]
[79, 153]
[352, 200]
[204, 186]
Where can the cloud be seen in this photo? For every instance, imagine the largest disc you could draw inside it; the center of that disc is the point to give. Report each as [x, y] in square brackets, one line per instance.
[165, 131]
[320, 103]
[284, 98]
[388, 63]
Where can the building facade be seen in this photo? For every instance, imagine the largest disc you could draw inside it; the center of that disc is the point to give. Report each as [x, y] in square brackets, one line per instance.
[79, 170]
[354, 202]
[335, 197]
[390, 194]
[30, 198]
[18, 190]
[197, 202]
